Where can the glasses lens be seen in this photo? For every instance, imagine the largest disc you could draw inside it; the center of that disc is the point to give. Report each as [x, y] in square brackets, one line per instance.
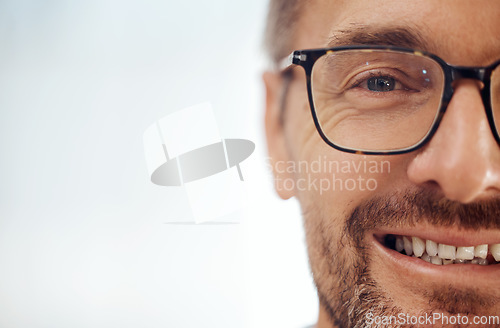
[376, 100]
[495, 96]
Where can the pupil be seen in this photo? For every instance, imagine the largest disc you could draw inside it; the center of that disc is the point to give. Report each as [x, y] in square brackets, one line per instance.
[380, 84]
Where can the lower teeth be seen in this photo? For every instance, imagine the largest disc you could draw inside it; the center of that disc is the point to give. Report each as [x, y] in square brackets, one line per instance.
[390, 242]
[439, 261]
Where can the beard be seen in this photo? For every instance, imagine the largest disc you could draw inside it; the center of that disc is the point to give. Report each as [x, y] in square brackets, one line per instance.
[340, 261]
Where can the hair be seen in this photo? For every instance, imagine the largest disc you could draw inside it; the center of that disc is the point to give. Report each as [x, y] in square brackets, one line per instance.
[280, 28]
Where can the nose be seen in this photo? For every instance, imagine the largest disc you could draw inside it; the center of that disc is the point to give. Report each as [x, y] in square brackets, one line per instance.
[462, 159]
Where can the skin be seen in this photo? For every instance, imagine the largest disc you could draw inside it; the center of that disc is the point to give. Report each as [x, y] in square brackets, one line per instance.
[460, 165]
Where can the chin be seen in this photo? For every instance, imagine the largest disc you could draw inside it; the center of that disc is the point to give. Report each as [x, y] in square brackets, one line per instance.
[407, 255]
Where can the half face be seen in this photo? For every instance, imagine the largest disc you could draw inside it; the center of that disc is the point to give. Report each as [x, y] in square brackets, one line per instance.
[399, 235]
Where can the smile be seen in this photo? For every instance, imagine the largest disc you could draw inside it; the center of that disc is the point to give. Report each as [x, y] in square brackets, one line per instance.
[439, 254]
[443, 254]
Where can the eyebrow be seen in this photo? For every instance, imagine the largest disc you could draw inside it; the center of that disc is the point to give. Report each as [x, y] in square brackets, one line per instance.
[406, 37]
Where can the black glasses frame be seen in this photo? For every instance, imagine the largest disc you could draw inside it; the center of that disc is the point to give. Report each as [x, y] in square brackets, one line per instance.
[307, 59]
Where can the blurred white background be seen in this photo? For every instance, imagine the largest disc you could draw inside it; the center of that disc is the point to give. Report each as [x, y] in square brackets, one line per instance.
[83, 239]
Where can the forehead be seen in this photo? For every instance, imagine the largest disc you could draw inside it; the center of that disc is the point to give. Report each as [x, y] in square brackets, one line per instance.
[462, 32]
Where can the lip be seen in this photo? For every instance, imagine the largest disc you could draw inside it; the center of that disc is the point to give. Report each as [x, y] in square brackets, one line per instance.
[460, 275]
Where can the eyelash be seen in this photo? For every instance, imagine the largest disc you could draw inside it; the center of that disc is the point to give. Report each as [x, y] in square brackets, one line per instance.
[358, 82]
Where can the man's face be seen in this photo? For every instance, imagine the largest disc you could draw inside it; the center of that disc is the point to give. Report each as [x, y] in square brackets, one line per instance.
[446, 191]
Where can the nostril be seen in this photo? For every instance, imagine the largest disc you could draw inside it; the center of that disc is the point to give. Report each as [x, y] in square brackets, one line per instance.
[432, 185]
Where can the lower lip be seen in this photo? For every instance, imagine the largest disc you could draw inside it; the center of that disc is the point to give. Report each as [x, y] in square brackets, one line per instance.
[436, 273]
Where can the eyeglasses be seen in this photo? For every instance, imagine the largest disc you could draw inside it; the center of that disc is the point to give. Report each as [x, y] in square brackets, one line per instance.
[383, 100]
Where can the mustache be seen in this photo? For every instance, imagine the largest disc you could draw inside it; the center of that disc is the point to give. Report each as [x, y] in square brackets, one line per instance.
[412, 206]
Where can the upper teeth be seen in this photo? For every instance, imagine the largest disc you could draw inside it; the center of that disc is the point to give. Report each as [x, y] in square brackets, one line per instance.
[466, 253]
[447, 252]
[418, 246]
[481, 251]
[408, 245]
[431, 247]
[436, 253]
[495, 251]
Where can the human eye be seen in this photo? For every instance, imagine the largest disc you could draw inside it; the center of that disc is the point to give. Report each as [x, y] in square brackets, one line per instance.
[382, 82]
[375, 82]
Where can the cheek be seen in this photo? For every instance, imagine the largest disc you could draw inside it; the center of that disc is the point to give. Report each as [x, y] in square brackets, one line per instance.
[345, 180]
[337, 182]
[324, 178]
[300, 130]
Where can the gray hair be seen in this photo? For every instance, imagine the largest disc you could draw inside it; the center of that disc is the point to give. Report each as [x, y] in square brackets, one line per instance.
[280, 28]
